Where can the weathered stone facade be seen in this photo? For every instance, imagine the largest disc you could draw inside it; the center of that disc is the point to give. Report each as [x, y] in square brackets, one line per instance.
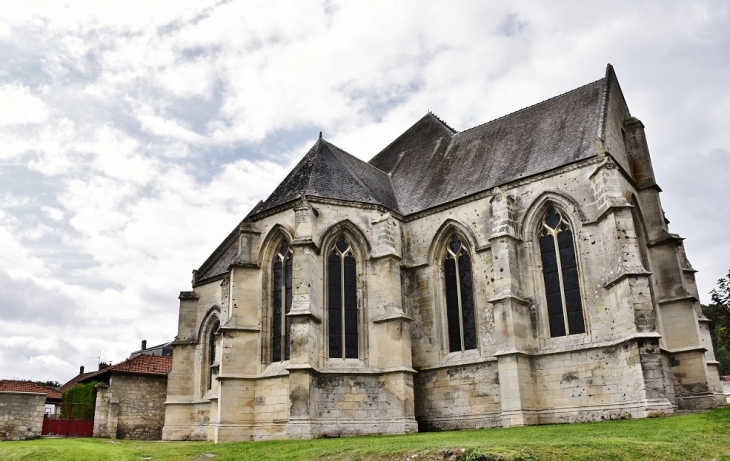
[130, 406]
[21, 415]
[640, 346]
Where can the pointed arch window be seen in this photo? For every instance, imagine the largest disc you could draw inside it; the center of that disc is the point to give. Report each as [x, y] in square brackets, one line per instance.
[560, 273]
[342, 301]
[211, 363]
[282, 301]
[459, 297]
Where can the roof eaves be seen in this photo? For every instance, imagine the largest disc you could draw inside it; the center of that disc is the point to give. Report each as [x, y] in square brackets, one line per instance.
[228, 241]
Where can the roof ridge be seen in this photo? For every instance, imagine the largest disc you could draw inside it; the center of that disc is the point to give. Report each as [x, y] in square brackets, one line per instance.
[532, 105]
[316, 149]
[611, 80]
[358, 159]
[455, 131]
[118, 366]
[429, 115]
[352, 173]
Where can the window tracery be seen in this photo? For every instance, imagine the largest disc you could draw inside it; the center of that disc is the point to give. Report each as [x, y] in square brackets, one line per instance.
[342, 301]
[560, 274]
[282, 302]
[459, 297]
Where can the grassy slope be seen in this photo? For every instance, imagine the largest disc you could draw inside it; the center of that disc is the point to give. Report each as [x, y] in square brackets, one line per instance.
[693, 437]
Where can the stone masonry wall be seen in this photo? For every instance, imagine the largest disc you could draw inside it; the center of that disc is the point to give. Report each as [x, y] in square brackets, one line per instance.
[590, 385]
[21, 415]
[140, 412]
[459, 397]
[353, 404]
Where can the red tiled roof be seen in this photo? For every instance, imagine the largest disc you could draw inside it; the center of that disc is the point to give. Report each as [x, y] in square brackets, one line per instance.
[10, 385]
[142, 364]
[76, 380]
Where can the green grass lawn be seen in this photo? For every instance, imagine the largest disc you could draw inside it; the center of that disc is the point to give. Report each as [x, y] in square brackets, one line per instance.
[704, 436]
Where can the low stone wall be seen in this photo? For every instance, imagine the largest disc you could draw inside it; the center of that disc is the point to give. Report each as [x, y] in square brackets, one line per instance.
[347, 405]
[131, 407]
[458, 397]
[21, 415]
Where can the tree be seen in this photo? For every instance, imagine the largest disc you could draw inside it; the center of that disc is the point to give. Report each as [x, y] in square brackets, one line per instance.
[719, 313]
[53, 384]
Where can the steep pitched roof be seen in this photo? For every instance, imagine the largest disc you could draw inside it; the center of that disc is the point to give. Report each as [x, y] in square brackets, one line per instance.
[226, 253]
[10, 385]
[421, 137]
[432, 167]
[327, 171]
[432, 164]
[141, 364]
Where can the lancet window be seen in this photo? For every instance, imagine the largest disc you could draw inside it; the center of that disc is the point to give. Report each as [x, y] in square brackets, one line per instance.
[342, 301]
[211, 363]
[459, 297]
[560, 273]
[282, 302]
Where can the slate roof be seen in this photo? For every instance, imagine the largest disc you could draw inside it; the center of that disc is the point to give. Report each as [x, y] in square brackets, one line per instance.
[226, 253]
[141, 364]
[432, 164]
[10, 385]
[327, 171]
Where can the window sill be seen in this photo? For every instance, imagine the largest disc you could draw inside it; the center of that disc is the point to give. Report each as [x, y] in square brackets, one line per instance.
[566, 341]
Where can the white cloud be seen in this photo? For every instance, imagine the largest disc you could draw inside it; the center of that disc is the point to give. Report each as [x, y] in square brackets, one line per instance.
[133, 137]
[53, 213]
[19, 106]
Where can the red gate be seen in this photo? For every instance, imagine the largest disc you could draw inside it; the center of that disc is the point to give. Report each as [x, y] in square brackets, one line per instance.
[74, 420]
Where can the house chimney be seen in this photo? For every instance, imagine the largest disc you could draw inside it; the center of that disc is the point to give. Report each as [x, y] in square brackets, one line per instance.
[103, 365]
[144, 344]
[81, 370]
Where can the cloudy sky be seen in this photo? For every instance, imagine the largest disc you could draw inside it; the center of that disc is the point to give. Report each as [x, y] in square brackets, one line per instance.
[135, 135]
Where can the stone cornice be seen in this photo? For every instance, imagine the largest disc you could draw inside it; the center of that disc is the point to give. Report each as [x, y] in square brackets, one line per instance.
[393, 316]
[375, 257]
[681, 350]
[306, 313]
[623, 274]
[188, 295]
[563, 349]
[249, 328]
[508, 296]
[675, 299]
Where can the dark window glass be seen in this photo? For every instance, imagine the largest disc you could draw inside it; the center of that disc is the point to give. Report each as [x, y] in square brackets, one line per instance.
[211, 351]
[467, 303]
[560, 274]
[287, 305]
[350, 308]
[460, 313]
[342, 315]
[276, 319]
[452, 305]
[334, 313]
[281, 296]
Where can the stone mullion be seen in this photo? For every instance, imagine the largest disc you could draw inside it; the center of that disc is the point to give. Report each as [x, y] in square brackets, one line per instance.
[458, 301]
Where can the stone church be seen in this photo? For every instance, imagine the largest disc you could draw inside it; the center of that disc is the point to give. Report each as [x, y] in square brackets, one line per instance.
[519, 272]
